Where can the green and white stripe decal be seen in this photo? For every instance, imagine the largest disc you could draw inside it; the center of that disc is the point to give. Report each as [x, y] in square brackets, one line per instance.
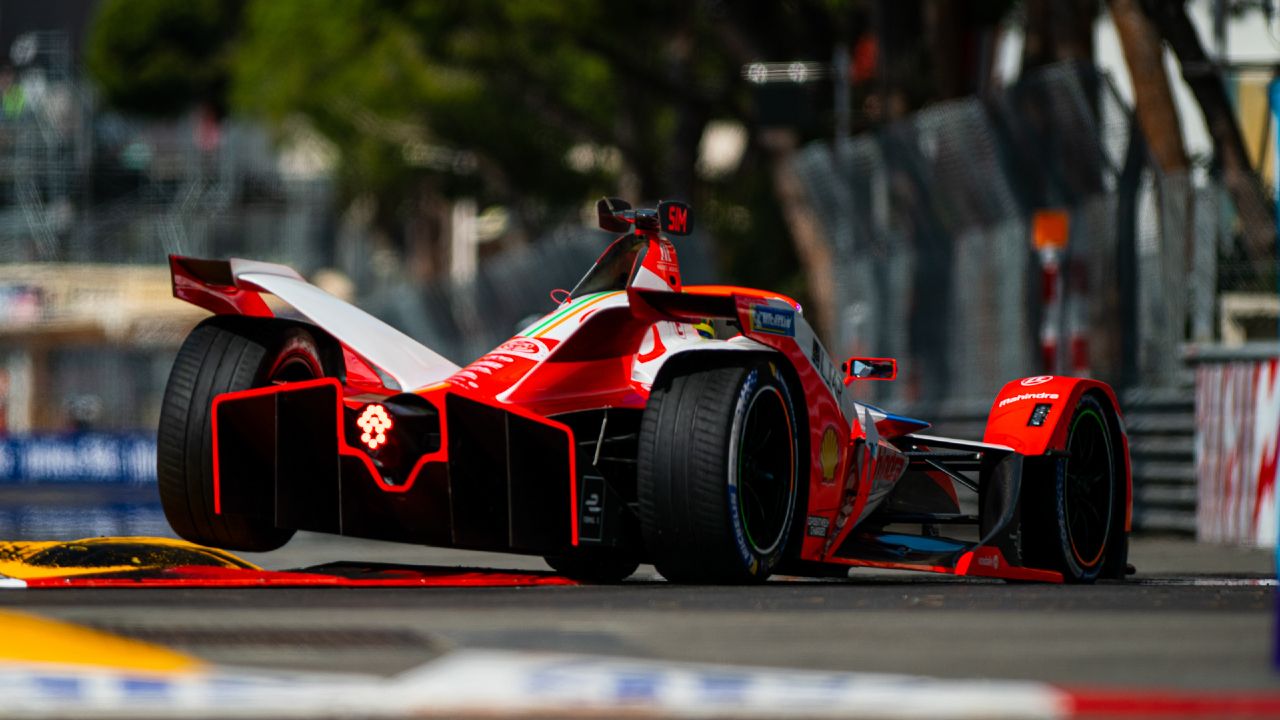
[544, 326]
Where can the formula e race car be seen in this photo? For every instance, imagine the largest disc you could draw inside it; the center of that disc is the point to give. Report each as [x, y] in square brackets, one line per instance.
[703, 429]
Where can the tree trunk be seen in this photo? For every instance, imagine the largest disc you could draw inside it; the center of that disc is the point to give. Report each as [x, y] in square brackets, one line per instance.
[1158, 117]
[1152, 98]
[1058, 30]
[812, 247]
[1256, 212]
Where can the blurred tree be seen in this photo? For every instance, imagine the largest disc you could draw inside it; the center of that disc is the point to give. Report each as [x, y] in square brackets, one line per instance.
[160, 57]
[535, 106]
[1058, 30]
[1231, 159]
[1152, 98]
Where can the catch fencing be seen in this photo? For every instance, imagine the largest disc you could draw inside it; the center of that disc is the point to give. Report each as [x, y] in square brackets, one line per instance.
[79, 183]
[931, 216]
[463, 320]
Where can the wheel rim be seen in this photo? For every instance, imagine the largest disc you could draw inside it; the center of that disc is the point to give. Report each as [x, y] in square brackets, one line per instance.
[766, 471]
[1089, 479]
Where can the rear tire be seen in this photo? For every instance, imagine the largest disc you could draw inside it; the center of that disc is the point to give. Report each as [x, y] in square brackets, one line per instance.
[718, 478]
[1073, 528]
[223, 354]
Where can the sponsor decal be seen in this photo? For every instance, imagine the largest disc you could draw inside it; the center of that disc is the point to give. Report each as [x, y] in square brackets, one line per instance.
[818, 526]
[774, 321]
[991, 561]
[591, 518]
[739, 537]
[1027, 396]
[862, 458]
[1037, 380]
[487, 365]
[524, 347]
[666, 265]
[888, 467]
[658, 349]
[830, 453]
[735, 514]
[97, 457]
[827, 370]
[677, 219]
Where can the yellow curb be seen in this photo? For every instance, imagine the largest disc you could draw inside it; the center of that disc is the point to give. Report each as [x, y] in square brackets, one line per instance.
[27, 638]
[32, 560]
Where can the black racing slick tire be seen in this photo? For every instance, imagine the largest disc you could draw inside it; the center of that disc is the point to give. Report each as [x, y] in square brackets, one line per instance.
[603, 565]
[1076, 518]
[718, 478]
[223, 354]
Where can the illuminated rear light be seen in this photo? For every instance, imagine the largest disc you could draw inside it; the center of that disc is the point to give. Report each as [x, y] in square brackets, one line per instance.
[375, 422]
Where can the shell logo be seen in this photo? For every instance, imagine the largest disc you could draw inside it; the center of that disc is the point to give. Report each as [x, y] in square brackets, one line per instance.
[375, 422]
[830, 454]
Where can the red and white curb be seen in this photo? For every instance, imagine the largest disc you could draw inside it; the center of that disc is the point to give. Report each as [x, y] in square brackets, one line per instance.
[475, 683]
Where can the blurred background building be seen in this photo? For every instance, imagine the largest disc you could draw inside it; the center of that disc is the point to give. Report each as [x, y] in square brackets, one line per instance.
[983, 190]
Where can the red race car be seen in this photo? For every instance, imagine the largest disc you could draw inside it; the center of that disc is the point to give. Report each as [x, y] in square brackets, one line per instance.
[703, 429]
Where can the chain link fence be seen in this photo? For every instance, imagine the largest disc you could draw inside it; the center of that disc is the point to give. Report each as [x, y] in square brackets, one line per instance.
[79, 184]
[467, 319]
[931, 219]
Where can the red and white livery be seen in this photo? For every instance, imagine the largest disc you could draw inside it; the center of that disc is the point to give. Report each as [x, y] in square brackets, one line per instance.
[704, 429]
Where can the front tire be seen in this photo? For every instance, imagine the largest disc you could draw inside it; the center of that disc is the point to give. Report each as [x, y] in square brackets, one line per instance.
[1075, 526]
[718, 477]
[223, 354]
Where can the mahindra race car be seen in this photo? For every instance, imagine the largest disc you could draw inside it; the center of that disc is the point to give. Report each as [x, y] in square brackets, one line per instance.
[703, 429]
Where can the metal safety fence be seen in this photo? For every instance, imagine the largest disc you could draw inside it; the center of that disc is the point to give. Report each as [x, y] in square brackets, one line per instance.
[463, 320]
[931, 220]
[80, 183]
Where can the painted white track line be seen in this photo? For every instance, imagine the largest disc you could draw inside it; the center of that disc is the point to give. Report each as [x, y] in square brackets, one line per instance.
[498, 683]
[490, 684]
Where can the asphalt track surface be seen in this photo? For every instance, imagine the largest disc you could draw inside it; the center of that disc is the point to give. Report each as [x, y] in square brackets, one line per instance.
[1194, 617]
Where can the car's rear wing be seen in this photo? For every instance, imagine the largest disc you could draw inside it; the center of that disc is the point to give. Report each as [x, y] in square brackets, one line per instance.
[235, 287]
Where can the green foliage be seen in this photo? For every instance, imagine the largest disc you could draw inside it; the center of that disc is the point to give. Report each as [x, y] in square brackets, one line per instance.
[388, 82]
[160, 57]
[432, 98]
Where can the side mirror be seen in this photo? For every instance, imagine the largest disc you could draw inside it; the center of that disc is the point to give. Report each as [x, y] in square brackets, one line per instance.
[866, 368]
[611, 212]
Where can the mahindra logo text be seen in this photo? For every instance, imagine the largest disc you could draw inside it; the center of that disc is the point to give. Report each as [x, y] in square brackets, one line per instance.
[1028, 396]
